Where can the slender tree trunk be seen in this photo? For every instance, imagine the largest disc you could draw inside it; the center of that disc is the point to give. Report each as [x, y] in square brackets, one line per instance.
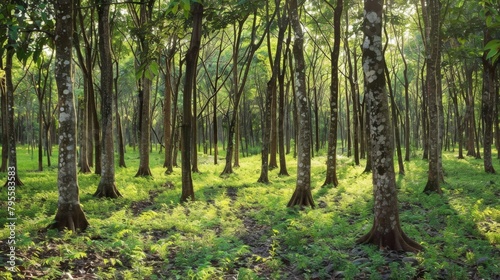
[107, 185]
[302, 195]
[191, 60]
[331, 162]
[3, 112]
[167, 104]
[386, 232]
[281, 105]
[488, 106]
[433, 69]
[69, 212]
[267, 128]
[10, 114]
[119, 129]
[145, 85]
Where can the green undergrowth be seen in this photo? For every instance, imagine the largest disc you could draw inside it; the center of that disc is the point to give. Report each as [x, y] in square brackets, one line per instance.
[239, 229]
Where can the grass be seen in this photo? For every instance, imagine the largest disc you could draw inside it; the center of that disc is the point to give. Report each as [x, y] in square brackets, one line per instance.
[240, 229]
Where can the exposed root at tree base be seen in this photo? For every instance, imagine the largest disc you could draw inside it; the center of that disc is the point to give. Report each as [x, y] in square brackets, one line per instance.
[144, 172]
[107, 190]
[395, 240]
[70, 217]
[17, 182]
[301, 197]
[432, 187]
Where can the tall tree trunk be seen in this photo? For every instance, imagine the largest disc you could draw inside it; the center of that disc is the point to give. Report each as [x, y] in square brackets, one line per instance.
[386, 232]
[271, 89]
[145, 85]
[3, 113]
[10, 114]
[331, 162]
[488, 106]
[433, 74]
[302, 195]
[107, 185]
[282, 107]
[167, 104]
[119, 129]
[191, 61]
[69, 212]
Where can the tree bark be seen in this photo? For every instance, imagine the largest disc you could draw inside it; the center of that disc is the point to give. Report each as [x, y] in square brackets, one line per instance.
[386, 232]
[69, 212]
[271, 89]
[433, 74]
[10, 113]
[191, 60]
[331, 162]
[107, 185]
[144, 96]
[302, 195]
[488, 106]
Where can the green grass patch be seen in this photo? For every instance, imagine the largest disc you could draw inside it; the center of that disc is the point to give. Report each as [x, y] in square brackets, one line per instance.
[240, 229]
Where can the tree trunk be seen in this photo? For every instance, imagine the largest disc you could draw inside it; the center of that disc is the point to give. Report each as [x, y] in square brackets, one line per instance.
[331, 162]
[145, 85]
[10, 114]
[271, 89]
[386, 232]
[302, 195]
[3, 113]
[281, 107]
[69, 212]
[433, 74]
[107, 185]
[488, 106]
[191, 61]
[119, 129]
[167, 104]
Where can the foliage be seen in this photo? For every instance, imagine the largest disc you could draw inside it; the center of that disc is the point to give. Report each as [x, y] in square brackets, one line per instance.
[239, 228]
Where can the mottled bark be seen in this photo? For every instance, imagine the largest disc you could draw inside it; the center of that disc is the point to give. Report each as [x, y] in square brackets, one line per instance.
[386, 232]
[69, 212]
[107, 185]
[331, 162]
[191, 60]
[302, 195]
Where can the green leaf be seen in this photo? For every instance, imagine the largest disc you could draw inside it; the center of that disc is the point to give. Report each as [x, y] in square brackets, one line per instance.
[493, 49]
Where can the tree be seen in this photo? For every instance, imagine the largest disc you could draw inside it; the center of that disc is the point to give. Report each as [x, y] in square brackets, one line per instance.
[9, 99]
[271, 89]
[146, 68]
[331, 163]
[69, 213]
[107, 186]
[239, 76]
[433, 91]
[386, 231]
[488, 98]
[191, 62]
[302, 195]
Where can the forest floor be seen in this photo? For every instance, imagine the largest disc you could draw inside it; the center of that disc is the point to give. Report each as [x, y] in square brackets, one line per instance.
[240, 229]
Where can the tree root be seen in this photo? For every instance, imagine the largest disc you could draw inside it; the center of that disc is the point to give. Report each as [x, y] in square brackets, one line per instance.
[107, 190]
[70, 217]
[301, 197]
[395, 240]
